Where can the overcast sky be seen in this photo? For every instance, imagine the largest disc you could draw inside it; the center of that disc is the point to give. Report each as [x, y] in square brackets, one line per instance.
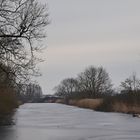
[91, 32]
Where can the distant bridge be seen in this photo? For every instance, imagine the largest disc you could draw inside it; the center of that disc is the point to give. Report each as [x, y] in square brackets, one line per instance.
[50, 99]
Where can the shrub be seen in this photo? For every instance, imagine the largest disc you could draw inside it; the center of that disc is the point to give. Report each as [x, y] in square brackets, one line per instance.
[8, 103]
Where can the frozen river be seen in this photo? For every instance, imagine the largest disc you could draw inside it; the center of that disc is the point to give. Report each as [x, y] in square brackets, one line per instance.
[61, 122]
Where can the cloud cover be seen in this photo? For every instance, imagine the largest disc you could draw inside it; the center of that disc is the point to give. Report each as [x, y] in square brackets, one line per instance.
[91, 32]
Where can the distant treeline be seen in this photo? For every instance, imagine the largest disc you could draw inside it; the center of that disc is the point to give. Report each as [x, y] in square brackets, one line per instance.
[95, 83]
[29, 93]
[92, 83]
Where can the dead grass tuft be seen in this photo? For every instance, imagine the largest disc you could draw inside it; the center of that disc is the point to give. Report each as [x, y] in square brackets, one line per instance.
[125, 108]
[86, 103]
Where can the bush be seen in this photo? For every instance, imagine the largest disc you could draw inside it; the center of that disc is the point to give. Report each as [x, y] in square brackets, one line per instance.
[8, 103]
[86, 103]
[125, 103]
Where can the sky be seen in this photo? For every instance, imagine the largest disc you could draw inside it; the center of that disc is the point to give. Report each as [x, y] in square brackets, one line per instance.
[82, 33]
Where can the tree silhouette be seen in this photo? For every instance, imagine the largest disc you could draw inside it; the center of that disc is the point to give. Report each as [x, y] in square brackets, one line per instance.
[22, 24]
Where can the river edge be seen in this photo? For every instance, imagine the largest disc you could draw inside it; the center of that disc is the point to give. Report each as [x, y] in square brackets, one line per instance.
[7, 119]
[93, 104]
[104, 105]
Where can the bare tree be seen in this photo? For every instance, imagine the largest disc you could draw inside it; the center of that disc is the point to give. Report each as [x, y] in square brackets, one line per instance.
[95, 81]
[67, 87]
[22, 23]
[92, 83]
[131, 84]
[60, 90]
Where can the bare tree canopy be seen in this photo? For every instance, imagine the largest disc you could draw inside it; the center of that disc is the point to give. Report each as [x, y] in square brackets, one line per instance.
[67, 87]
[22, 19]
[96, 81]
[131, 84]
[92, 83]
[22, 23]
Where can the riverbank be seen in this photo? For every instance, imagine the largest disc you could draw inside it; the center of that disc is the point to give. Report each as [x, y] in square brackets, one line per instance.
[86, 103]
[105, 105]
[50, 121]
[8, 104]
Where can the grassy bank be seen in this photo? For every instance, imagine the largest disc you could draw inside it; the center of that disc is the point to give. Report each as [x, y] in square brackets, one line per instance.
[115, 104]
[8, 103]
[106, 105]
[86, 103]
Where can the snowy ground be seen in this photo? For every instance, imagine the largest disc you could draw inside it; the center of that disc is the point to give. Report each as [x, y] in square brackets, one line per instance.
[61, 122]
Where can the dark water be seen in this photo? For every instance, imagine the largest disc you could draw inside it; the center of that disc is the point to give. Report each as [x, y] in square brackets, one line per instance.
[61, 122]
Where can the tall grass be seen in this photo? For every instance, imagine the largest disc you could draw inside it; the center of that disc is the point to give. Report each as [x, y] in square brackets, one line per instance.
[8, 103]
[121, 103]
[86, 103]
[110, 104]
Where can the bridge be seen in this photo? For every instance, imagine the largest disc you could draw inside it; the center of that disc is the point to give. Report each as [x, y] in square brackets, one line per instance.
[50, 98]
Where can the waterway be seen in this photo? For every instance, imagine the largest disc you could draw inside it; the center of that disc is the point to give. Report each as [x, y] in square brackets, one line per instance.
[61, 122]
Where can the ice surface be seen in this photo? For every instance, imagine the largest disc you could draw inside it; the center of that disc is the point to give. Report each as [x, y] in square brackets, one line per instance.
[61, 122]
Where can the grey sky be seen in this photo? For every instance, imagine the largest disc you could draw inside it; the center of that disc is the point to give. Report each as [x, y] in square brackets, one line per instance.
[91, 32]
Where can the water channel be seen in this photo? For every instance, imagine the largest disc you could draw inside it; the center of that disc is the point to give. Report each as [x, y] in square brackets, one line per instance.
[61, 122]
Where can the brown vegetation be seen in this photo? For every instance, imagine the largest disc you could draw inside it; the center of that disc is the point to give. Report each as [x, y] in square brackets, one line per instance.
[125, 108]
[86, 103]
[105, 105]
[93, 89]
[8, 103]
[60, 101]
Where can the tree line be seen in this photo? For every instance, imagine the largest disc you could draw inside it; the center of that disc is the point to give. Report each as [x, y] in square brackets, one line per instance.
[94, 82]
